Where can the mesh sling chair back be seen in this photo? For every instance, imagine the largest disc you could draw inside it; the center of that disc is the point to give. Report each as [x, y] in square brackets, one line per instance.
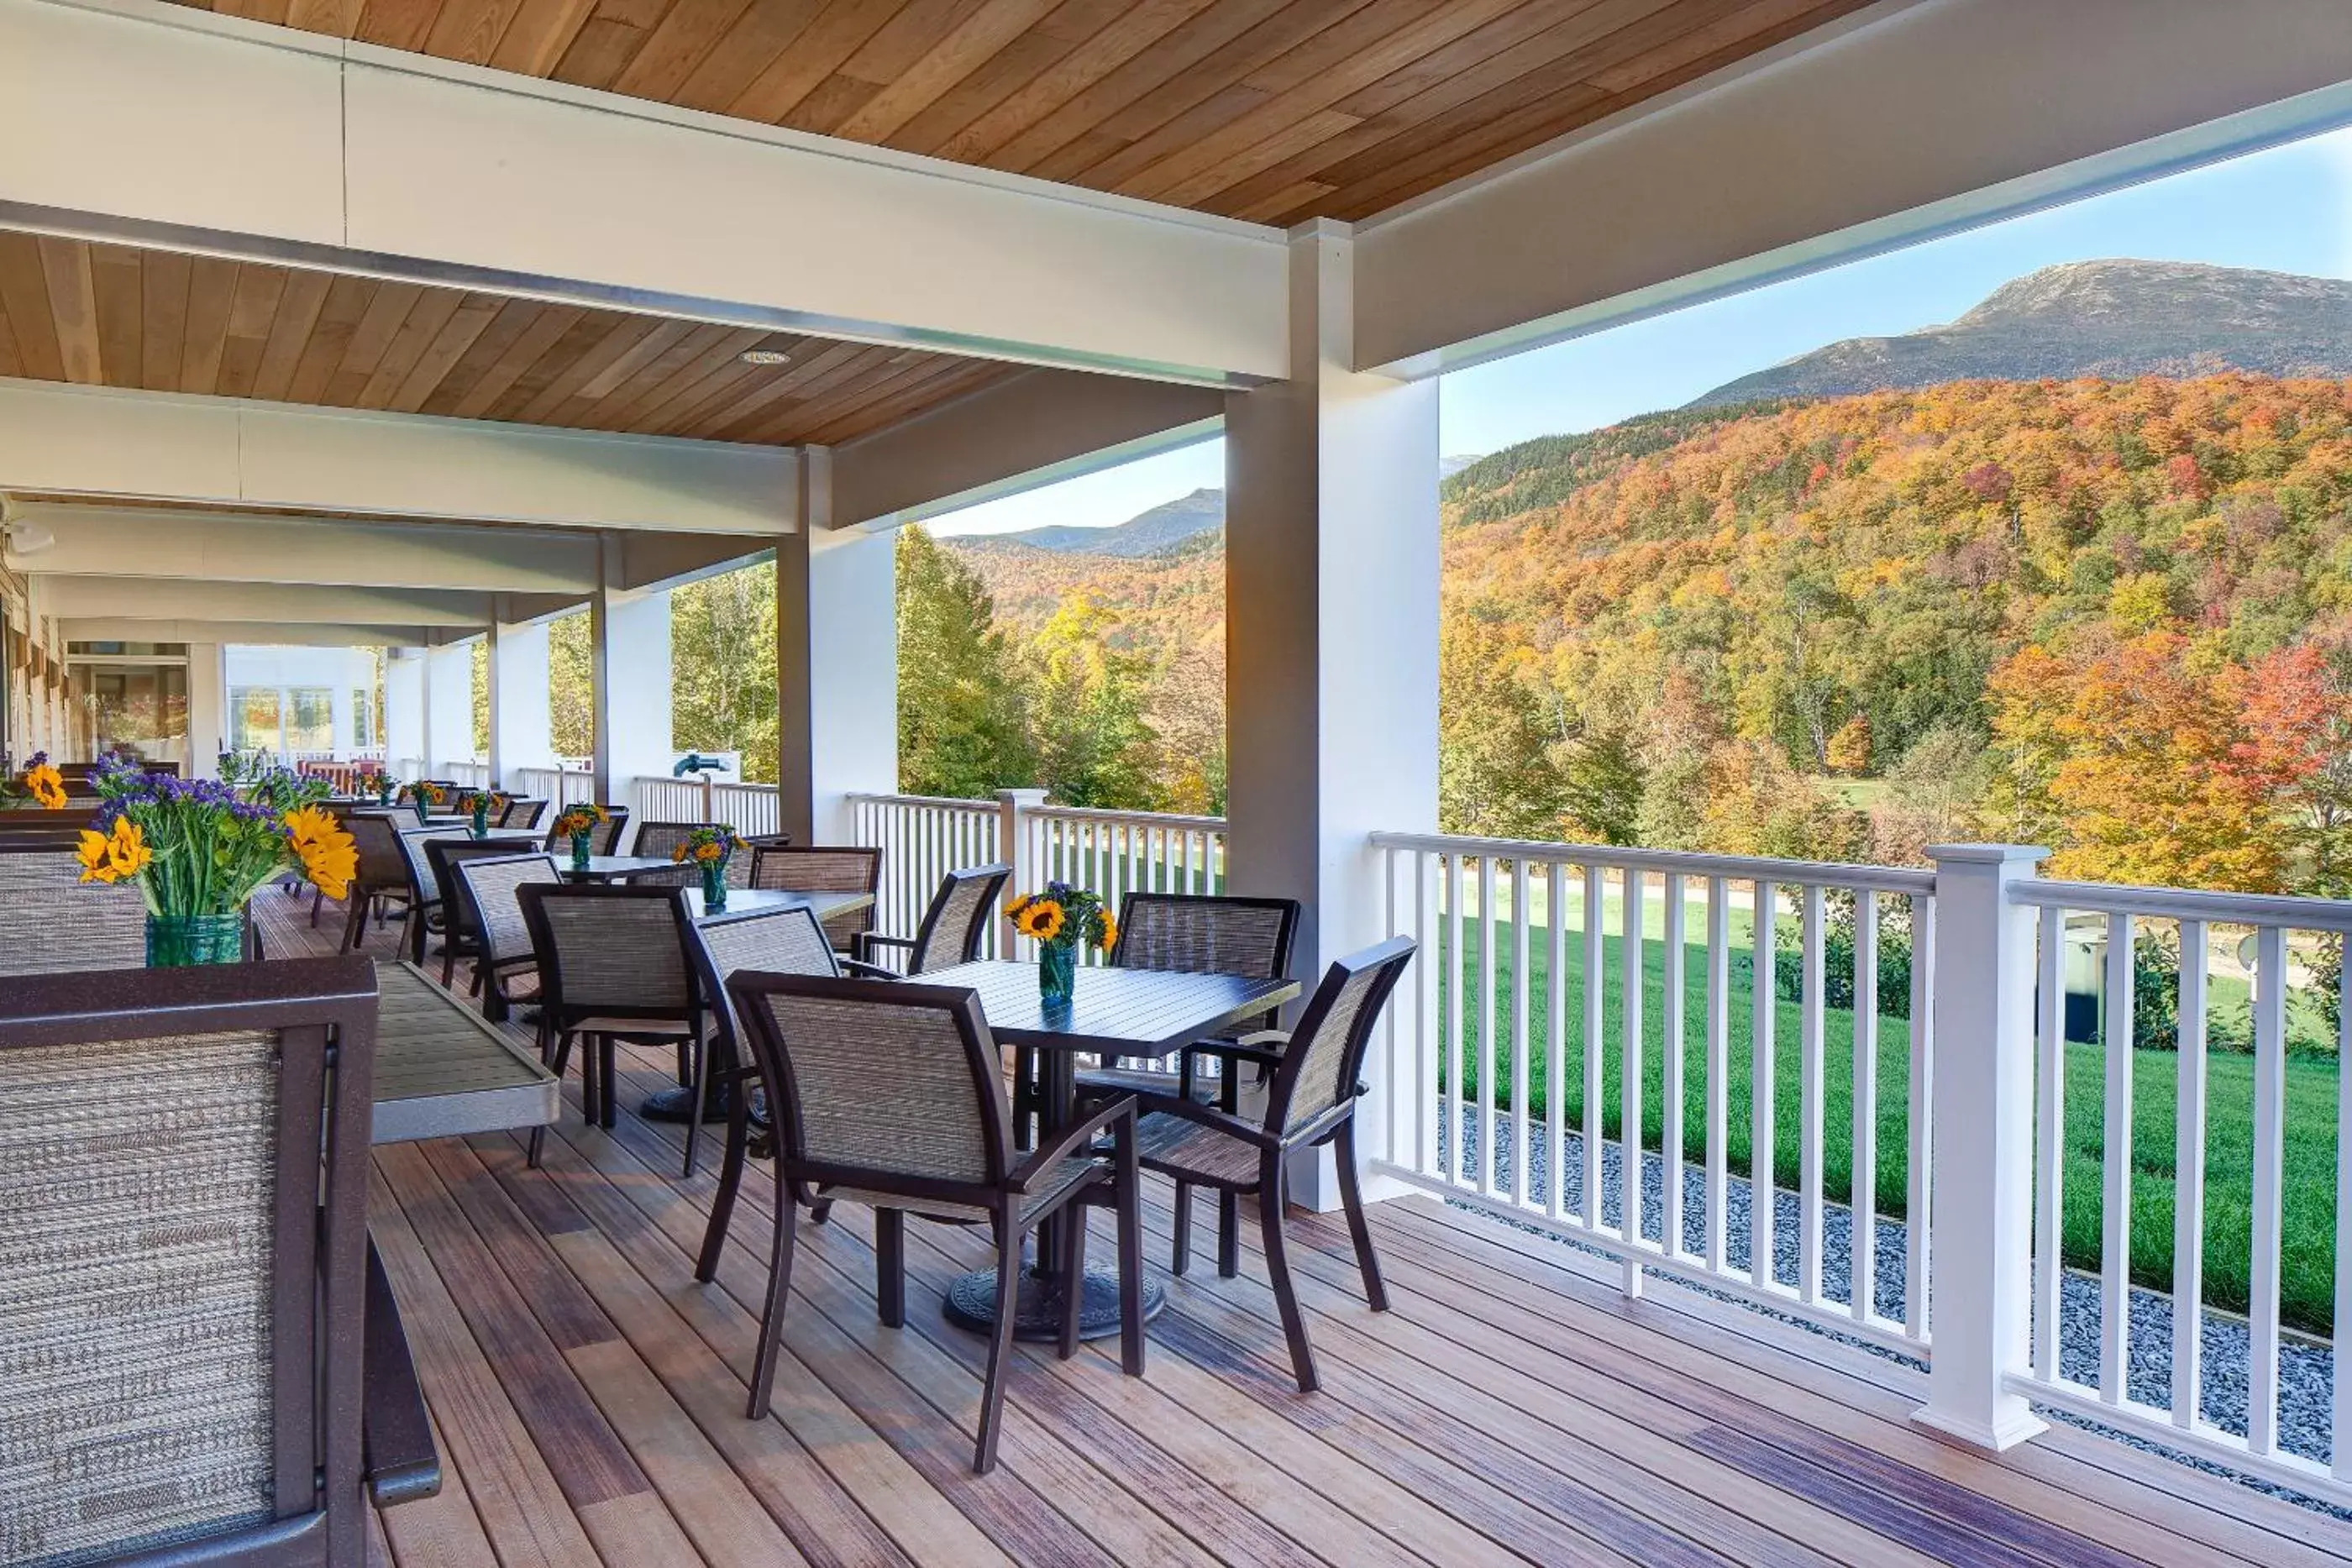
[770, 941]
[659, 841]
[613, 965]
[383, 873]
[486, 889]
[52, 922]
[954, 925]
[605, 839]
[460, 939]
[203, 1361]
[1311, 1101]
[523, 811]
[890, 1094]
[824, 868]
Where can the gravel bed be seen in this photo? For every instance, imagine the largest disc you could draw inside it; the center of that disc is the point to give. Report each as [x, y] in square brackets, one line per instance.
[2305, 1369]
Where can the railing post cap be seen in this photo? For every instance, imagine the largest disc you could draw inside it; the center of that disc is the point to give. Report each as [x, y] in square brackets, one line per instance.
[1021, 797]
[1987, 854]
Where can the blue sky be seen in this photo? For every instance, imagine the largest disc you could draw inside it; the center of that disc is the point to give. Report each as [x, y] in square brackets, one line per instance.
[2288, 209]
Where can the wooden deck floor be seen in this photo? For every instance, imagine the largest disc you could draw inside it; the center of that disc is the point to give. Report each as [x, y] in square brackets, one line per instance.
[1513, 1406]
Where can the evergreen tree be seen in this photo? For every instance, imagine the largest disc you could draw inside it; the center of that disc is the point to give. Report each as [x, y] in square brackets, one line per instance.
[1093, 744]
[963, 729]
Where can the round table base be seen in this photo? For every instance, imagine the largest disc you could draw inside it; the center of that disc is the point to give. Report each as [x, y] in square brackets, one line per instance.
[971, 1303]
[669, 1106]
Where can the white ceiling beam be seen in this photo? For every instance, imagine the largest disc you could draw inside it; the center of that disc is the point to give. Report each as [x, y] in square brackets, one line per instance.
[1011, 436]
[222, 547]
[1912, 119]
[303, 634]
[157, 598]
[148, 122]
[113, 441]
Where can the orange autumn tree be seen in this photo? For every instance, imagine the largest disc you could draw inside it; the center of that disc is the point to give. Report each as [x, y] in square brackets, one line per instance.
[2149, 762]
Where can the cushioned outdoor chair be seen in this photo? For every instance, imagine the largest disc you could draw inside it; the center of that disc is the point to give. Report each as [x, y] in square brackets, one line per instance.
[953, 930]
[52, 922]
[613, 965]
[1311, 1101]
[772, 941]
[824, 868]
[891, 1094]
[487, 886]
[206, 1362]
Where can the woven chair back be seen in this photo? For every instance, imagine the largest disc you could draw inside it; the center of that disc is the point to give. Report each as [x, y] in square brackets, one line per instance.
[770, 941]
[376, 836]
[618, 950]
[660, 841]
[166, 1348]
[445, 855]
[880, 1082]
[523, 811]
[490, 885]
[605, 839]
[52, 922]
[957, 919]
[1326, 1055]
[1200, 934]
[822, 868]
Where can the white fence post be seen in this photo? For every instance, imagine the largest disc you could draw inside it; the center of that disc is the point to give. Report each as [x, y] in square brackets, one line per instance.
[1012, 807]
[1980, 1267]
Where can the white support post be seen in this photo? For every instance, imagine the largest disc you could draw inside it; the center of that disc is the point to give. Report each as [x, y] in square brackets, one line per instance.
[631, 660]
[1981, 1270]
[1331, 577]
[836, 664]
[1012, 807]
[448, 707]
[520, 732]
[404, 711]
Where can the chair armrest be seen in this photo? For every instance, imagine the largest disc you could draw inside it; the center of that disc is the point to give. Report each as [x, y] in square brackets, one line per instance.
[397, 1455]
[859, 966]
[1249, 1132]
[1266, 1047]
[1079, 1135]
[875, 939]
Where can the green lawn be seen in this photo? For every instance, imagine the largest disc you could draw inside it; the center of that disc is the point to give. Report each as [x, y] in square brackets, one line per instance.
[2309, 1222]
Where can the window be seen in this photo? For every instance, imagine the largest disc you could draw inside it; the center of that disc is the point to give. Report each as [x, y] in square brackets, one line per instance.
[310, 719]
[255, 721]
[362, 718]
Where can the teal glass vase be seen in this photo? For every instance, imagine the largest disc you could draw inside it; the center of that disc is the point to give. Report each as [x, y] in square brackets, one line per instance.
[1057, 972]
[579, 847]
[179, 941]
[714, 886]
[481, 823]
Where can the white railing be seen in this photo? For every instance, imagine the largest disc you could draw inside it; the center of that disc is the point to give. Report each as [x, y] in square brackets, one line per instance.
[2176, 1405]
[753, 810]
[562, 786]
[468, 775]
[923, 838]
[1502, 1032]
[1118, 852]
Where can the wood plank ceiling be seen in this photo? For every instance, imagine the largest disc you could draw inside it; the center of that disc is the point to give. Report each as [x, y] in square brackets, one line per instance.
[1275, 111]
[123, 317]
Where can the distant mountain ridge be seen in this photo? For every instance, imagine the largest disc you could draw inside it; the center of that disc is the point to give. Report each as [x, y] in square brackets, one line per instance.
[2111, 320]
[1168, 526]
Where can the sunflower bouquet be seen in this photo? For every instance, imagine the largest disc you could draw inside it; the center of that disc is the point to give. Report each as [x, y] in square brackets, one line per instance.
[369, 780]
[426, 798]
[1058, 920]
[579, 824]
[478, 804]
[200, 850]
[40, 783]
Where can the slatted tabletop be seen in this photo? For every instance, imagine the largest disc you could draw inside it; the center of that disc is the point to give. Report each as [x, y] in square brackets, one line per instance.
[441, 1071]
[615, 868]
[1113, 1012]
[745, 900]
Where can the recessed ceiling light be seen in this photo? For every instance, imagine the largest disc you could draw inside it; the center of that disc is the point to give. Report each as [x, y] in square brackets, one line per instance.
[764, 357]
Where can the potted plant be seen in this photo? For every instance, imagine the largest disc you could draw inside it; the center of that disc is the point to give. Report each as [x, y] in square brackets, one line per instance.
[200, 851]
[40, 784]
[367, 779]
[477, 805]
[425, 796]
[708, 850]
[579, 824]
[1058, 920]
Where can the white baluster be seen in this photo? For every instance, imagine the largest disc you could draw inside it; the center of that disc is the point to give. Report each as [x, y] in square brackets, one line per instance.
[2049, 1145]
[2269, 1190]
[2189, 1183]
[1812, 1083]
[1519, 1107]
[1670, 1075]
[1595, 917]
[1762, 1084]
[1718, 1066]
[1861, 1195]
[2115, 1156]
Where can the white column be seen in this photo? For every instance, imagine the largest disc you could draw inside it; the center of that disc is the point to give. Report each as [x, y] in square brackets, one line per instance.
[448, 707]
[836, 665]
[207, 708]
[520, 734]
[1331, 626]
[1981, 1175]
[404, 712]
[631, 659]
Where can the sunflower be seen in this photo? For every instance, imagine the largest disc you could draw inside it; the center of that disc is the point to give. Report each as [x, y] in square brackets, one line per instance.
[329, 858]
[97, 864]
[127, 853]
[1109, 931]
[1039, 919]
[46, 786]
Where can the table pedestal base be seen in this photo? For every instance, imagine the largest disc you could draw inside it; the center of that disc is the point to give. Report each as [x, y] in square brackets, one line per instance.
[971, 1303]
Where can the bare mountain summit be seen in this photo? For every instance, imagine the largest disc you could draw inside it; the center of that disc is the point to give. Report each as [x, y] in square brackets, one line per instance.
[2111, 320]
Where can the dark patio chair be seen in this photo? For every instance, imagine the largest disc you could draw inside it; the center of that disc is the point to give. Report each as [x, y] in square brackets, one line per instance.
[52, 922]
[383, 873]
[661, 838]
[772, 941]
[523, 811]
[443, 853]
[487, 886]
[1312, 1102]
[824, 868]
[952, 928]
[1198, 934]
[206, 1363]
[613, 965]
[606, 840]
[891, 1094]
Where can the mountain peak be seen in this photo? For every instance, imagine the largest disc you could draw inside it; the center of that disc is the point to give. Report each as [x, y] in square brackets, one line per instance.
[2115, 317]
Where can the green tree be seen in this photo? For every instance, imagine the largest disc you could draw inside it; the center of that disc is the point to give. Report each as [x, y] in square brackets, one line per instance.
[962, 728]
[1094, 748]
[1601, 784]
[722, 634]
[570, 689]
[1495, 777]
